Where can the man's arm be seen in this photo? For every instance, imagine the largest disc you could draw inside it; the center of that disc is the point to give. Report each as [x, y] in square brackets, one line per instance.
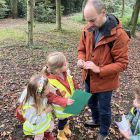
[81, 48]
[120, 55]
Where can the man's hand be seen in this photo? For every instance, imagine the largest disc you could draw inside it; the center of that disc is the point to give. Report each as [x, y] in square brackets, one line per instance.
[90, 65]
[81, 63]
[70, 102]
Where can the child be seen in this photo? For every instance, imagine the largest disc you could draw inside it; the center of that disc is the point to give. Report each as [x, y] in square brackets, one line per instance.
[35, 110]
[59, 77]
[134, 118]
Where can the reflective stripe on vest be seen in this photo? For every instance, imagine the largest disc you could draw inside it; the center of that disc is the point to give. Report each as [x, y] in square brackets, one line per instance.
[24, 107]
[61, 87]
[59, 112]
[132, 111]
[33, 129]
[58, 109]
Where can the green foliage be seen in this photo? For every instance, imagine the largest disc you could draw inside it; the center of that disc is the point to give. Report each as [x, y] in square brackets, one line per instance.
[115, 7]
[22, 8]
[71, 6]
[3, 9]
[125, 21]
[44, 13]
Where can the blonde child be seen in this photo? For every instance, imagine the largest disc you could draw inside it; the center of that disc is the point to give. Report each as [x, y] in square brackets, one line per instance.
[35, 110]
[134, 118]
[59, 77]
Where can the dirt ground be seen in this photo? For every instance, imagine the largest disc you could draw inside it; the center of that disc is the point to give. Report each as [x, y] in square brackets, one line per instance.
[18, 63]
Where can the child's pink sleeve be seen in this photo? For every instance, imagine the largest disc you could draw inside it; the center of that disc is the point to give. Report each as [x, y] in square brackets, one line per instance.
[56, 99]
[19, 115]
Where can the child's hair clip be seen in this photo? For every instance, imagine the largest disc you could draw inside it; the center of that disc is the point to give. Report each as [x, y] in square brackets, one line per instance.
[41, 84]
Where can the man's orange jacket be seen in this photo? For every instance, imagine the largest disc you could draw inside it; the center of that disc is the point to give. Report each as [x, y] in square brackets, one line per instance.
[111, 61]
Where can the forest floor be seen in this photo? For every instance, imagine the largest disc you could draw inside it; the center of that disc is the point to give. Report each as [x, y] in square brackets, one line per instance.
[18, 63]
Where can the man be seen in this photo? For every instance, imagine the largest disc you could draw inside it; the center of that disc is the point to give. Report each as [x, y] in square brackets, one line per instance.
[102, 54]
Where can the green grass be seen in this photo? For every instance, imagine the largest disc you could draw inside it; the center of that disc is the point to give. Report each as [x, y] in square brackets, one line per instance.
[12, 34]
[44, 27]
[77, 17]
[45, 35]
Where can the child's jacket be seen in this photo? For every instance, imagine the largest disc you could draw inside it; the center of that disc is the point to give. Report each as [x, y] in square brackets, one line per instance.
[35, 123]
[134, 118]
[65, 88]
[52, 99]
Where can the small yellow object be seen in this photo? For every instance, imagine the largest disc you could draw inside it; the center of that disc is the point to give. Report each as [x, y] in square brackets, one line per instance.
[61, 135]
[67, 130]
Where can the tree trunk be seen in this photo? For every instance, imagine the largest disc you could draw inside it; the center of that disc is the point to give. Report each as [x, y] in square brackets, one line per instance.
[135, 18]
[30, 20]
[58, 14]
[14, 10]
[132, 17]
[122, 8]
[83, 6]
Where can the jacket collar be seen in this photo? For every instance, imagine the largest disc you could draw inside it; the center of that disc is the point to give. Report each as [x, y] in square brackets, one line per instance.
[110, 23]
[108, 28]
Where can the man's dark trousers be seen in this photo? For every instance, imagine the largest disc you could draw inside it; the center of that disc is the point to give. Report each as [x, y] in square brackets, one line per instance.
[100, 105]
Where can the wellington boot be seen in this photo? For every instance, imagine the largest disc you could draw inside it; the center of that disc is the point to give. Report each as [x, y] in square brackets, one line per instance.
[61, 135]
[67, 130]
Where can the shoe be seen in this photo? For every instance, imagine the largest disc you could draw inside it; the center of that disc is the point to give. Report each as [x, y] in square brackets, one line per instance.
[67, 130]
[91, 123]
[61, 135]
[100, 137]
[48, 136]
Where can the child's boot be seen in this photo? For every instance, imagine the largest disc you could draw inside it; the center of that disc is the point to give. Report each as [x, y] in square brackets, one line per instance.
[61, 135]
[67, 130]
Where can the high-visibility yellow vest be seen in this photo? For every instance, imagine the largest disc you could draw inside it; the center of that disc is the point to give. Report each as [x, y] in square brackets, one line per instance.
[133, 112]
[36, 128]
[58, 109]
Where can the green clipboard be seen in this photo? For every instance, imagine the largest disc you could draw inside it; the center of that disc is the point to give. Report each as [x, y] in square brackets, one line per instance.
[80, 100]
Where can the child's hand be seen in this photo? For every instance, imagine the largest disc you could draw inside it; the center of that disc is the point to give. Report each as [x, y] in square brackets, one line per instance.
[48, 109]
[63, 93]
[70, 102]
[125, 134]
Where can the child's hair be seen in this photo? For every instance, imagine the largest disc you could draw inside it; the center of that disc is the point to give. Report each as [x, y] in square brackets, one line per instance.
[35, 89]
[137, 91]
[55, 60]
